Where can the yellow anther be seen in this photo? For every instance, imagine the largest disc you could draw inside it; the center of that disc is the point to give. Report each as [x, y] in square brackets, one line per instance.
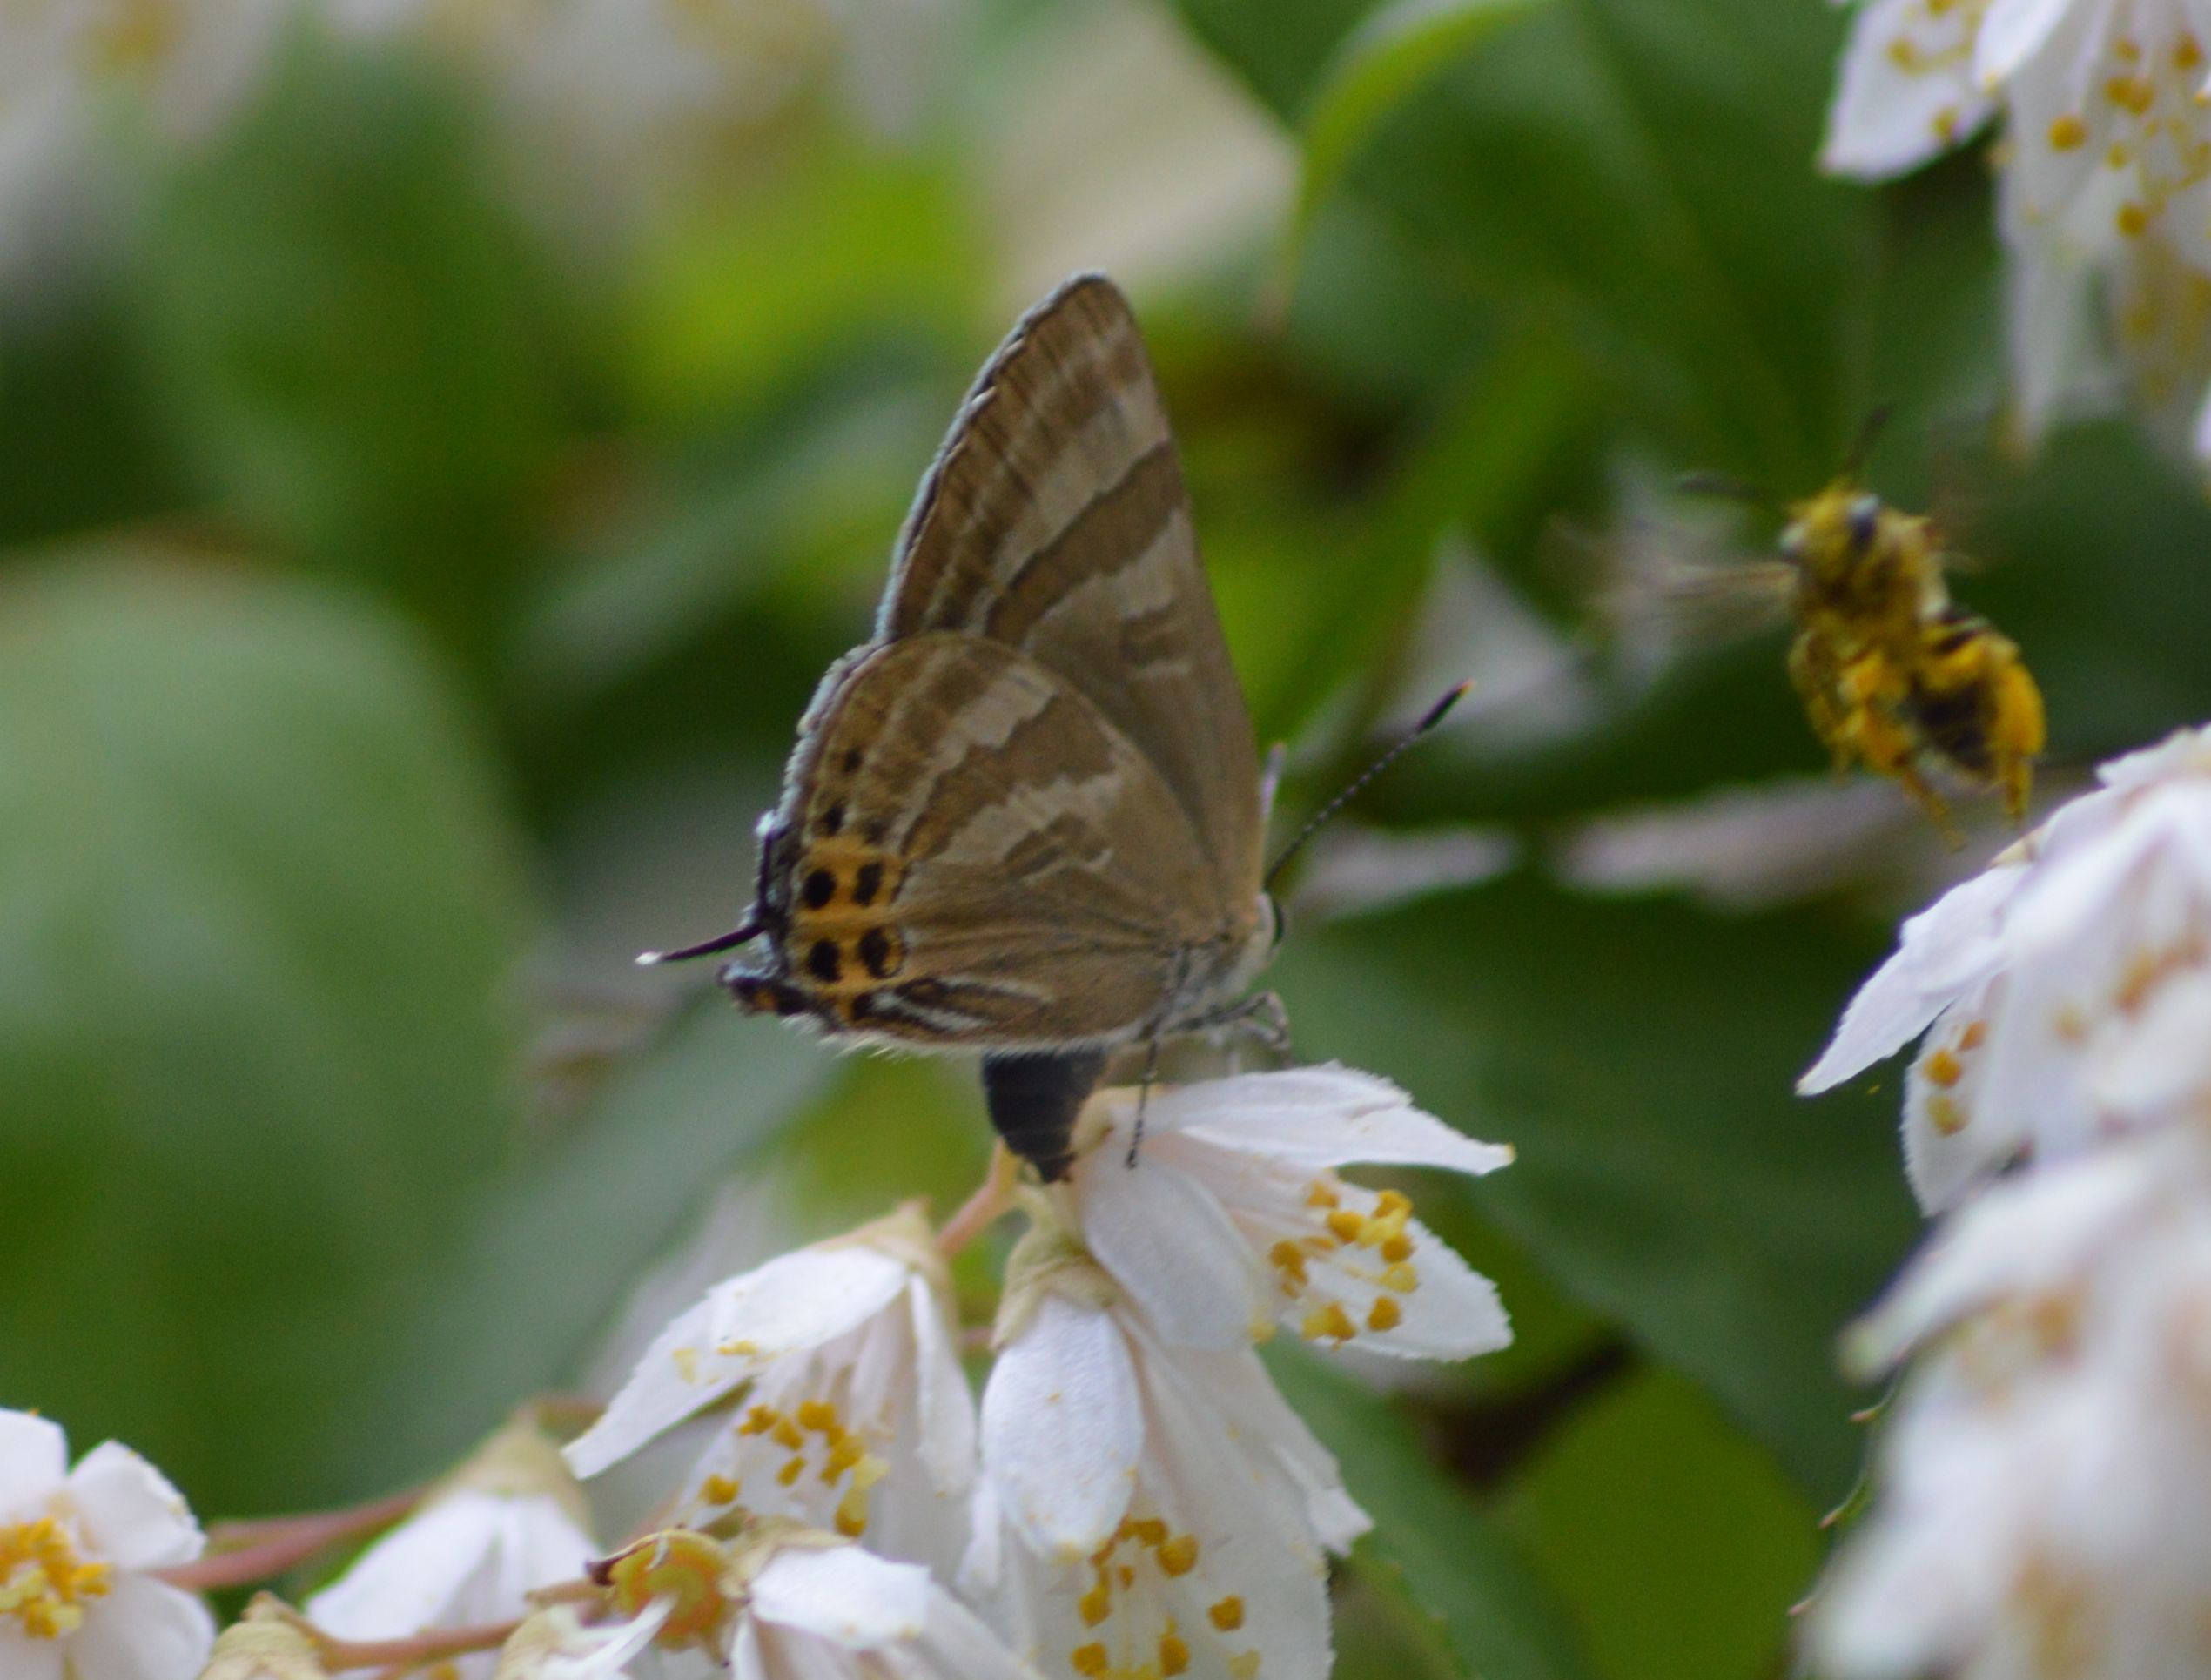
[1401, 1278]
[1289, 1260]
[848, 1451]
[1391, 1205]
[2069, 133]
[719, 1490]
[1946, 1115]
[1095, 1605]
[793, 1468]
[1330, 1322]
[2188, 53]
[1088, 1660]
[819, 1417]
[869, 1471]
[1174, 1655]
[1346, 1226]
[787, 1435]
[1384, 1314]
[1943, 1069]
[44, 1583]
[1320, 1195]
[852, 1514]
[759, 1420]
[2134, 220]
[1126, 1574]
[1147, 1531]
[1974, 1036]
[1179, 1555]
[1396, 1249]
[1227, 1614]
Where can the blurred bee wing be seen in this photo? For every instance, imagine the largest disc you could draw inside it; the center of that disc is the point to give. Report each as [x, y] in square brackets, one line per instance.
[1054, 521]
[1673, 587]
[997, 865]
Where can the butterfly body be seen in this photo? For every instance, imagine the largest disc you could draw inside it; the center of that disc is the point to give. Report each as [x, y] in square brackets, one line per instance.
[1026, 818]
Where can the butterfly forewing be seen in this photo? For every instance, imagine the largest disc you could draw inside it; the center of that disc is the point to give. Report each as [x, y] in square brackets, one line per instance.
[982, 857]
[1055, 521]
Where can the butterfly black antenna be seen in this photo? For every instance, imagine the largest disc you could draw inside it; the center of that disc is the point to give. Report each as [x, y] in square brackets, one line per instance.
[1429, 719]
[752, 928]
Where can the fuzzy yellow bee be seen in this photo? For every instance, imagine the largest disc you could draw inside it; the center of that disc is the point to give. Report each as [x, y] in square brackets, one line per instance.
[1894, 673]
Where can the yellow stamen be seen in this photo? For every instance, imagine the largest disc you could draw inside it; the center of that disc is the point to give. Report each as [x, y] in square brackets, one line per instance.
[45, 1582]
[1087, 1660]
[1179, 1555]
[1330, 1322]
[1384, 1314]
[1227, 1614]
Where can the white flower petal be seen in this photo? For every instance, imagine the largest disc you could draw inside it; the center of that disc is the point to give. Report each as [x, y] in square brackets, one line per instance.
[843, 1594]
[944, 1406]
[959, 1646]
[796, 1301]
[410, 1579]
[22, 1659]
[144, 1630]
[132, 1515]
[2011, 32]
[1894, 108]
[1454, 1314]
[34, 1457]
[2017, 1238]
[1167, 1242]
[1944, 950]
[1063, 1426]
[1322, 1117]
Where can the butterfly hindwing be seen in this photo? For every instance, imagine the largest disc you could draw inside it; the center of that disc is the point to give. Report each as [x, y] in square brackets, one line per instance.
[1055, 521]
[972, 854]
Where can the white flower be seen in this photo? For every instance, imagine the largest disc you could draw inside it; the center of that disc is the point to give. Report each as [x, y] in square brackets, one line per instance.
[2065, 993]
[1235, 1218]
[510, 1521]
[2106, 177]
[858, 1418]
[2046, 1469]
[77, 1549]
[785, 1602]
[1143, 1510]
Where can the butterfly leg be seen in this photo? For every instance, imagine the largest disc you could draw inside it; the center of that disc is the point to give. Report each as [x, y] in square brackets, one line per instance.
[1144, 1094]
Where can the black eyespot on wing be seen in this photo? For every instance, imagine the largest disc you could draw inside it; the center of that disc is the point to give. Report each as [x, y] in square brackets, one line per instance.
[875, 951]
[861, 1007]
[866, 883]
[852, 756]
[823, 961]
[789, 1001]
[876, 830]
[821, 887]
[832, 818]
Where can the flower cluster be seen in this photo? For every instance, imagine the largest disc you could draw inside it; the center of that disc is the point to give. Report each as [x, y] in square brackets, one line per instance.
[2106, 167]
[1133, 1498]
[2043, 1464]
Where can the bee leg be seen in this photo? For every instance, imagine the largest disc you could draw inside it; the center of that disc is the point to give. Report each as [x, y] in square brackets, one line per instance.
[1814, 681]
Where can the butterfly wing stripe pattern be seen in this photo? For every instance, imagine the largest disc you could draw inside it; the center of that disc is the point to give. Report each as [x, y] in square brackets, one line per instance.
[1055, 520]
[987, 859]
[1026, 818]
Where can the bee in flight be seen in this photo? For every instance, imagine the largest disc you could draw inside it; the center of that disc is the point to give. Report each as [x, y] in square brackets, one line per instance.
[1892, 671]
[1894, 675]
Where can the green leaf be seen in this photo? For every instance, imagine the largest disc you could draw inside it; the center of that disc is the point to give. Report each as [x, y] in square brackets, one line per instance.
[342, 334]
[1641, 1059]
[1432, 1544]
[1676, 1542]
[256, 909]
[557, 1246]
[1392, 51]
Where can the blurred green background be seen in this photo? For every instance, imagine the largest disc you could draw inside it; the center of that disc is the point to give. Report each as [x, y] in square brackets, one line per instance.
[420, 527]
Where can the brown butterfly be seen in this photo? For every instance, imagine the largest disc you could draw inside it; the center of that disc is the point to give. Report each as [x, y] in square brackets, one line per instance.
[1026, 817]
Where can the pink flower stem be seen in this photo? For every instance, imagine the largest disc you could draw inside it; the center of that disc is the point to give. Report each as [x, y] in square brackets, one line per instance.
[992, 1197]
[245, 1552]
